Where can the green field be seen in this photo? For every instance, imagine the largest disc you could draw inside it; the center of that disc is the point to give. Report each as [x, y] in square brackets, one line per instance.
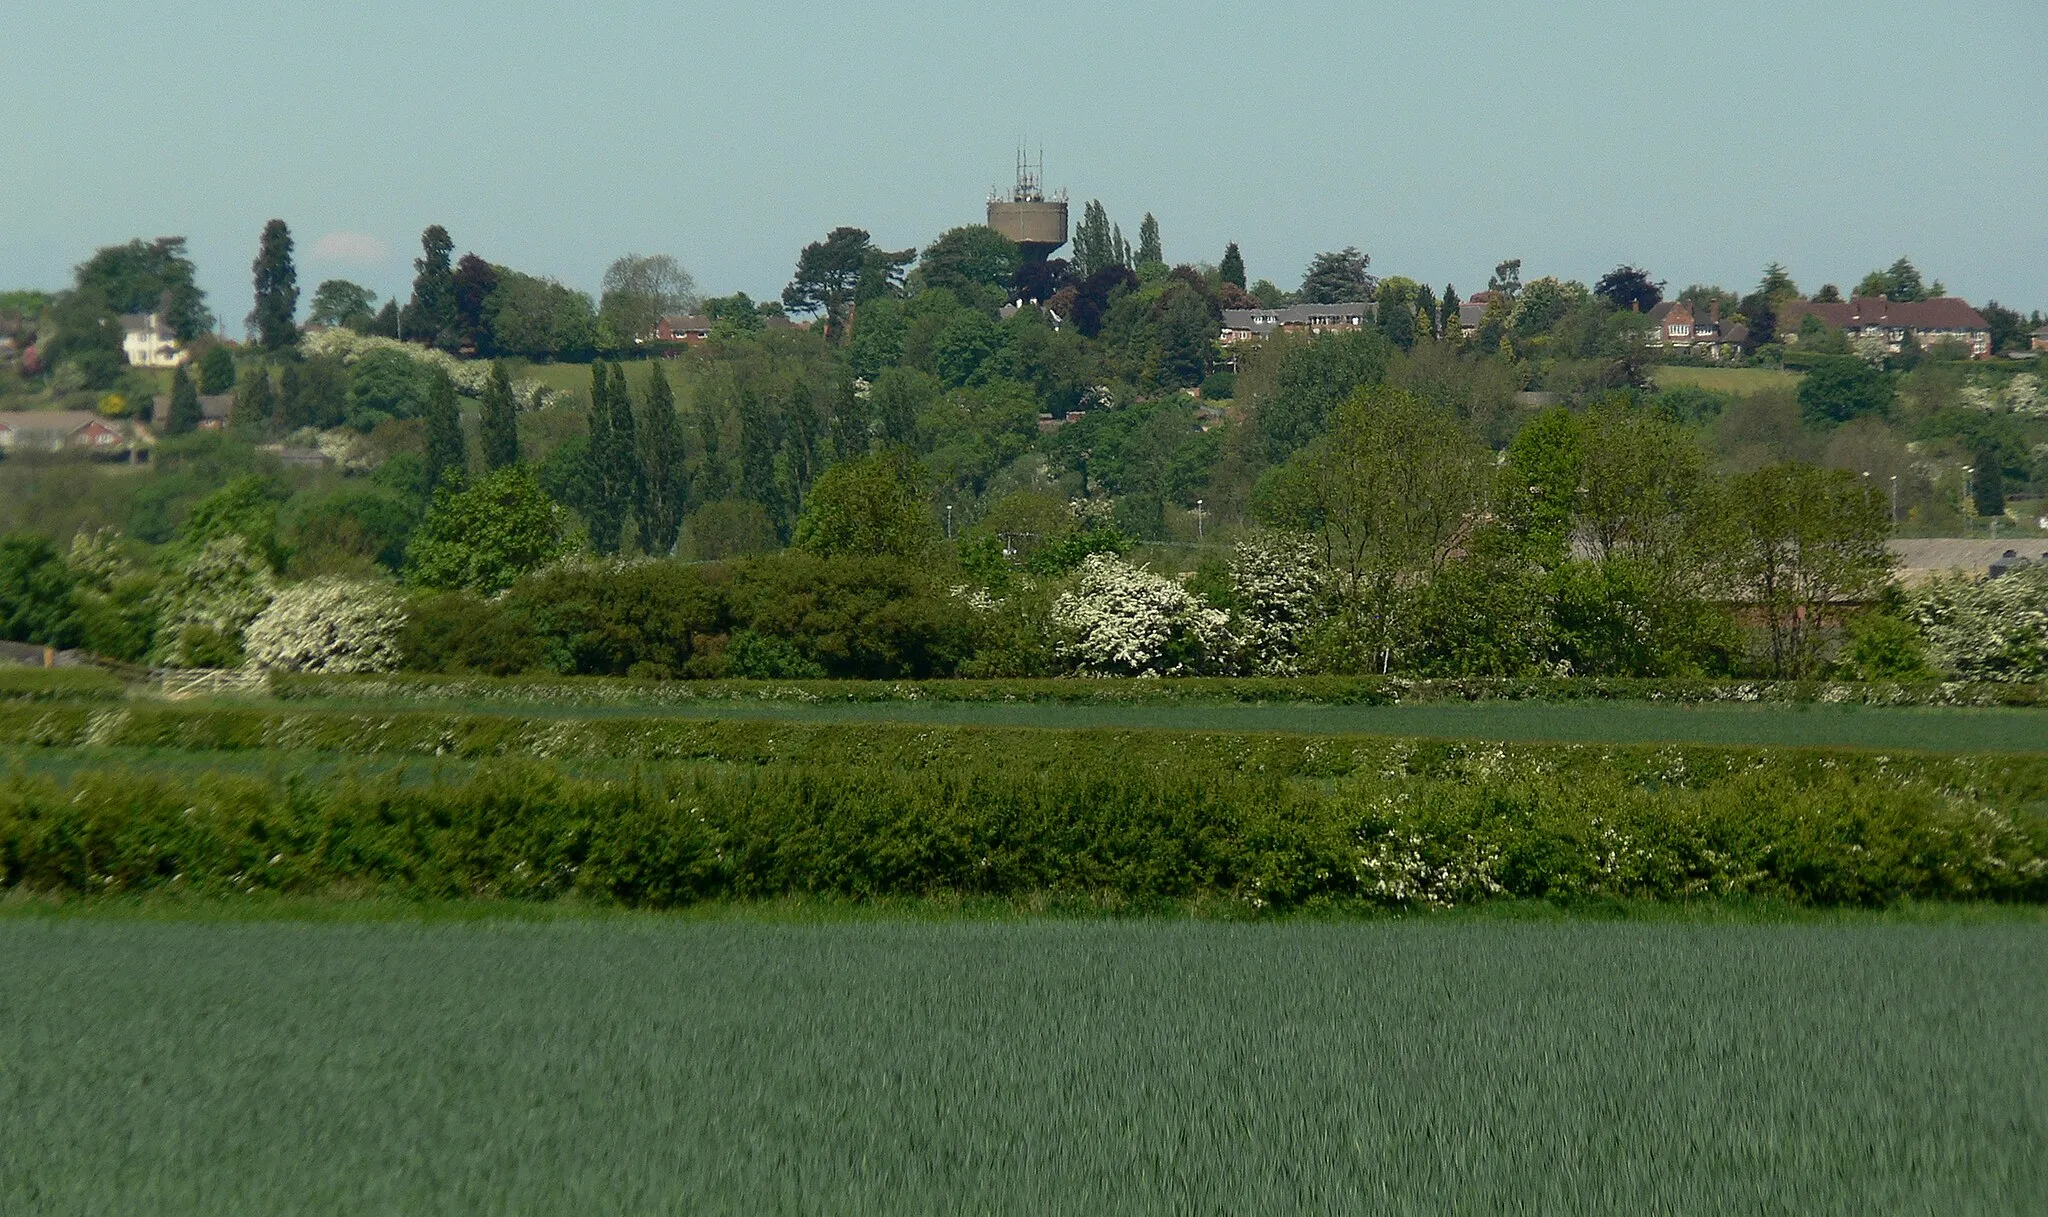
[637, 1065]
[1739, 381]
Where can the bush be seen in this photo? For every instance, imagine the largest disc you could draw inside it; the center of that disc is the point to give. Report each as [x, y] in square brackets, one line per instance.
[868, 618]
[1123, 620]
[1994, 629]
[457, 633]
[620, 618]
[328, 625]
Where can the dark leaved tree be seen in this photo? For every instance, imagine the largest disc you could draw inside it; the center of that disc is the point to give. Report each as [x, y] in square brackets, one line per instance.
[1232, 267]
[498, 421]
[663, 469]
[447, 457]
[1629, 289]
[274, 319]
[1338, 277]
[430, 317]
[183, 416]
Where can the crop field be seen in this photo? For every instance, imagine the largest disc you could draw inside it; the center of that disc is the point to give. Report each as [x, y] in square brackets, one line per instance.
[721, 1065]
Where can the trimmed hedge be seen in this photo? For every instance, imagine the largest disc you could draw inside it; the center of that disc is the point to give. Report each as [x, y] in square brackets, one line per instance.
[60, 684]
[1328, 690]
[1134, 834]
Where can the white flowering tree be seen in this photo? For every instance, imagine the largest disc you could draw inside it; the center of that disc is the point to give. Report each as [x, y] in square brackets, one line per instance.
[1122, 620]
[1991, 629]
[328, 625]
[471, 376]
[204, 610]
[1275, 584]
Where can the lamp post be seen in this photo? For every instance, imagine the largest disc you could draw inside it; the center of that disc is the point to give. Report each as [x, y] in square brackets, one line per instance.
[1895, 498]
[949, 521]
[1969, 489]
[1198, 521]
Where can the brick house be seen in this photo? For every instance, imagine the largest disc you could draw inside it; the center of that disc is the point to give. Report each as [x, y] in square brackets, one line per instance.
[56, 430]
[1679, 328]
[1942, 319]
[1250, 324]
[688, 328]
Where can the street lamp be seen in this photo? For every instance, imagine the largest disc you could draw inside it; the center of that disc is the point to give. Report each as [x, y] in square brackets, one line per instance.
[1198, 521]
[1895, 498]
[949, 521]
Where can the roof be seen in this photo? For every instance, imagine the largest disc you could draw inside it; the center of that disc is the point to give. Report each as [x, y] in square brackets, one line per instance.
[1266, 320]
[137, 322]
[1926, 557]
[1471, 313]
[66, 421]
[1940, 313]
[686, 322]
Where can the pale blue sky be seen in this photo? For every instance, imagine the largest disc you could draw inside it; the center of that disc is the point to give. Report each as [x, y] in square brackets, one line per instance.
[1699, 141]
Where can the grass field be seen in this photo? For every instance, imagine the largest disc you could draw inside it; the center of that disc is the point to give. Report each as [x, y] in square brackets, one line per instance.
[1926, 729]
[642, 1064]
[1739, 381]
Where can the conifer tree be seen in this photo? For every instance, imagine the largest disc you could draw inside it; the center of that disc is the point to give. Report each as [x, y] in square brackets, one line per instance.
[1450, 323]
[447, 454]
[183, 416]
[254, 403]
[1232, 267]
[431, 315]
[499, 421]
[1149, 251]
[1425, 312]
[277, 289]
[292, 406]
[662, 460]
[598, 505]
[629, 486]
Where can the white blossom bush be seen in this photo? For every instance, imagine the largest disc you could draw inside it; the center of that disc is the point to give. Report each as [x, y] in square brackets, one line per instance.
[1122, 620]
[204, 609]
[471, 376]
[1275, 583]
[1991, 629]
[328, 625]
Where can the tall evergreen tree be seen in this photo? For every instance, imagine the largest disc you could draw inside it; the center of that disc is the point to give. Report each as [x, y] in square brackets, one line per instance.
[1232, 268]
[277, 289]
[1149, 251]
[1094, 247]
[447, 454]
[431, 316]
[183, 416]
[663, 458]
[254, 403]
[600, 506]
[1425, 312]
[1450, 324]
[629, 485]
[499, 421]
[293, 410]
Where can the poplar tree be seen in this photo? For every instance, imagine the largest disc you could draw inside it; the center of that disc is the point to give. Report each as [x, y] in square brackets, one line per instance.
[1149, 251]
[447, 455]
[598, 502]
[629, 486]
[499, 421]
[183, 417]
[662, 461]
[292, 406]
[1232, 268]
[1452, 324]
[254, 403]
[277, 289]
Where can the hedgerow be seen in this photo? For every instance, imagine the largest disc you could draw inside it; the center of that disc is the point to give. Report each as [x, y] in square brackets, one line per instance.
[676, 835]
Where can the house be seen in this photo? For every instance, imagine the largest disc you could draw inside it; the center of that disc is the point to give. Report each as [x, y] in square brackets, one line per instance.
[689, 328]
[2041, 339]
[1942, 319]
[1678, 328]
[1472, 313]
[1251, 324]
[148, 342]
[56, 430]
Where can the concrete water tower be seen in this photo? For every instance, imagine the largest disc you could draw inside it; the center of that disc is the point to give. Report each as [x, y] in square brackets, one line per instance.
[1035, 222]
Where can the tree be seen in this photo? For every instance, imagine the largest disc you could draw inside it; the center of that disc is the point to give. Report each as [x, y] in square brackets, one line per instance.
[1629, 289]
[482, 537]
[274, 319]
[157, 277]
[665, 473]
[1777, 285]
[871, 506]
[386, 323]
[1149, 251]
[1231, 270]
[1507, 279]
[1828, 294]
[1838, 388]
[969, 260]
[340, 302]
[292, 412]
[38, 593]
[628, 476]
[254, 405]
[1760, 317]
[540, 318]
[328, 625]
[447, 456]
[217, 370]
[498, 422]
[1804, 542]
[2009, 330]
[1396, 311]
[430, 317]
[1900, 282]
[1707, 300]
[834, 274]
[639, 291]
[1385, 495]
[1450, 321]
[475, 281]
[1337, 277]
[183, 417]
[1987, 482]
[1095, 242]
[1187, 336]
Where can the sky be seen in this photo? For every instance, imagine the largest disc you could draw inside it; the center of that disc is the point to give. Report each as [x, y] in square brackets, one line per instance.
[1698, 142]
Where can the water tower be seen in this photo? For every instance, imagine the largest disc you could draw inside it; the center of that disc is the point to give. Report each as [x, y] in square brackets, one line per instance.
[1036, 223]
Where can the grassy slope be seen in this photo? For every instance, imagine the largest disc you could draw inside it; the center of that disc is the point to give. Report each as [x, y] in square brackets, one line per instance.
[1739, 381]
[639, 1065]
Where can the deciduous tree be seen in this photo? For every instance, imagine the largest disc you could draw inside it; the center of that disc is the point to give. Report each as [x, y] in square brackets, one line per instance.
[498, 421]
[447, 456]
[638, 291]
[664, 468]
[340, 302]
[430, 316]
[1337, 277]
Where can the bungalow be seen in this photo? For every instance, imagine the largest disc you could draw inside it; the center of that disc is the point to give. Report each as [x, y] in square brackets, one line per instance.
[1251, 324]
[1942, 319]
[148, 342]
[56, 430]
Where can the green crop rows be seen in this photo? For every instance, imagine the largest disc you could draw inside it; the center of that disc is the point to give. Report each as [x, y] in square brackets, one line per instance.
[637, 1065]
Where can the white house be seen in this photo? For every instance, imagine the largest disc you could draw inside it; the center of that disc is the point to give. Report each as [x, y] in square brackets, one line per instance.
[148, 342]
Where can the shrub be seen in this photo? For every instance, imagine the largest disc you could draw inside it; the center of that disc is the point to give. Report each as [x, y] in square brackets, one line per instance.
[622, 618]
[204, 608]
[460, 632]
[328, 625]
[869, 618]
[1994, 629]
[1123, 620]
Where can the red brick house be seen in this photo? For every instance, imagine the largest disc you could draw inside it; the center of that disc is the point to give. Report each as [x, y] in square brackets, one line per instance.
[688, 328]
[1942, 319]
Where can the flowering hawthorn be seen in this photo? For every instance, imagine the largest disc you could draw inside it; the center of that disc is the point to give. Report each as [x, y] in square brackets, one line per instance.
[328, 625]
[1122, 620]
